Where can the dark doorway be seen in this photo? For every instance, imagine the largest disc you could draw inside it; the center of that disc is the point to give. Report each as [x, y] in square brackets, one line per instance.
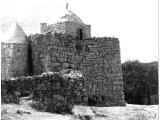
[80, 33]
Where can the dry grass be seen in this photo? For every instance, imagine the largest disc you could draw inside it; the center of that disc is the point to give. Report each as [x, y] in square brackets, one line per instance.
[23, 111]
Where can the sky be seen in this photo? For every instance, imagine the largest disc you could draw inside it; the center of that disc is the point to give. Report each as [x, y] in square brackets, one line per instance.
[134, 22]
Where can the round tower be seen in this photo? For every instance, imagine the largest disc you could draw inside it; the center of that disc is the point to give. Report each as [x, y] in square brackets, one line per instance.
[14, 53]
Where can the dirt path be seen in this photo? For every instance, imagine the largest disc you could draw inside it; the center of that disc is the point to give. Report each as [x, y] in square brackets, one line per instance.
[24, 111]
[129, 112]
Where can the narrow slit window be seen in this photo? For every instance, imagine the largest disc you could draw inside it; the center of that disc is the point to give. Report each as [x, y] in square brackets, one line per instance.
[81, 34]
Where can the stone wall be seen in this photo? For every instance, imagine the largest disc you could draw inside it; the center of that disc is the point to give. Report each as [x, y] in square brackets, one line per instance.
[13, 59]
[102, 70]
[97, 58]
[72, 28]
[53, 52]
[68, 83]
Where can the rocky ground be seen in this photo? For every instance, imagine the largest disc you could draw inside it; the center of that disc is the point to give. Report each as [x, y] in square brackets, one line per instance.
[23, 111]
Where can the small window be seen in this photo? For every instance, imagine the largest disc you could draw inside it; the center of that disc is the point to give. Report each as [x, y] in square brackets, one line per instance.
[81, 34]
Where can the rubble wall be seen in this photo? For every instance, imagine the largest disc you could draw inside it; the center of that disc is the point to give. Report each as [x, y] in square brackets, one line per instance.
[68, 83]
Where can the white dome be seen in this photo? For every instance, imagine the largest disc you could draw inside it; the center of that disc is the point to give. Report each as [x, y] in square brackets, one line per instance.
[15, 34]
[70, 16]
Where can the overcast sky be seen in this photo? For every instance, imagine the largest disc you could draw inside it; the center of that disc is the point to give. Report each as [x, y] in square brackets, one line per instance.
[134, 22]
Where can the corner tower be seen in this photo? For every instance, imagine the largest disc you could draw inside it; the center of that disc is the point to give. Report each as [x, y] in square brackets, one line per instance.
[69, 24]
[14, 53]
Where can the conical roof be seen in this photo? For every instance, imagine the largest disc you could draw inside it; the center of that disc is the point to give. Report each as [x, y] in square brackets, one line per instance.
[70, 16]
[15, 34]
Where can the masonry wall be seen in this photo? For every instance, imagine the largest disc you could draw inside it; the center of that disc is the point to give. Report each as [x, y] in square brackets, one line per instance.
[97, 58]
[69, 84]
[72, 28]
[103, 72]
[54, 53]
[13, 59]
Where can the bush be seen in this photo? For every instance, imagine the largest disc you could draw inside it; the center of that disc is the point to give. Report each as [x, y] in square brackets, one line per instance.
[57, 104]
[140, 82]
[8, 97]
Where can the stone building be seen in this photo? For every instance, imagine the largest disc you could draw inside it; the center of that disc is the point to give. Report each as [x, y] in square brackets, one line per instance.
[14, 52]
[69, 24]
[68, 44]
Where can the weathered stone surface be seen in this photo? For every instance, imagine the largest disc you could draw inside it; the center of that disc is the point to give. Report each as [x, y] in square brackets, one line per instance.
[68, 28]
[97, 58]
[68, 83]
[13, 59]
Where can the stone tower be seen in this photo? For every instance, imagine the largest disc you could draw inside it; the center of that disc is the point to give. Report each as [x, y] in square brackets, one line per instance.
[14, 53]
[97, 58]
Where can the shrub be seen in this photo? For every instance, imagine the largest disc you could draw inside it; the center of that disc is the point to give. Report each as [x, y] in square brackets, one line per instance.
[8, 97]
[57, 104]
